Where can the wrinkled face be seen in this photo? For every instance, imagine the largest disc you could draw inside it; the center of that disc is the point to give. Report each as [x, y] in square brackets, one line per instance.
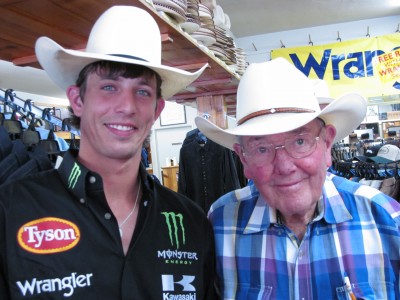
[289, 168]
[117, 114]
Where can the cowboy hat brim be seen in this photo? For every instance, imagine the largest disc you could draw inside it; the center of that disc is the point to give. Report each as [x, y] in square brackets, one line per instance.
[344, 113]
[63, 66]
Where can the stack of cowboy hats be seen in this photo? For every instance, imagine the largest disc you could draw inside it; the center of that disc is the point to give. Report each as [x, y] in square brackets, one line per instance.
[206, 33]
[241, 63]
[224, 48]
[175, 9]
[207, 23]
[192, 23]
[211, 4]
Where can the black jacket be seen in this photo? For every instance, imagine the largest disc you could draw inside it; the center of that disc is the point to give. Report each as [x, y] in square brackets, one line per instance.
[206, 170]
[60, 240]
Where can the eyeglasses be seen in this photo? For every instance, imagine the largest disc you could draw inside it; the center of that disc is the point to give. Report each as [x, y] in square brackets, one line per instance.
[299, 146]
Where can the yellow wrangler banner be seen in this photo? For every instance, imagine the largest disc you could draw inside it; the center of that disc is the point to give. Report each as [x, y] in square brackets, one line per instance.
[369, 66]
[388, 66]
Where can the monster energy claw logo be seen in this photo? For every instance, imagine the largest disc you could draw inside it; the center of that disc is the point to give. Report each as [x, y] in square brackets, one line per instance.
[73, 177]
[173, 227]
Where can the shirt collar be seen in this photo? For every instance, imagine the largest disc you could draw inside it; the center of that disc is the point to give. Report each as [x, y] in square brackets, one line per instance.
[335, 209]
[330, 207]
[260, 217]
[79, 180]
[75, 175]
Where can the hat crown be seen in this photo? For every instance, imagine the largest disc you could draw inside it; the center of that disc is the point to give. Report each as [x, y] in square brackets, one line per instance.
[389, 151]
[321, 90]
[126, 31]
[274, 84]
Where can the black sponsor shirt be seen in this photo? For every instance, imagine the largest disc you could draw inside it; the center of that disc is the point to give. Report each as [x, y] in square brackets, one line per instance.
[60, 240]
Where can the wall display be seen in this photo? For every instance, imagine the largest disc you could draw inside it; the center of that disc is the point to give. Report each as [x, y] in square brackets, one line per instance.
[175, 114]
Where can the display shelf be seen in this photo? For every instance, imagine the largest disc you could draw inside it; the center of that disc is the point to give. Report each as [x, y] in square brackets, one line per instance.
[170, 176]
[183, 51]
[383, 126]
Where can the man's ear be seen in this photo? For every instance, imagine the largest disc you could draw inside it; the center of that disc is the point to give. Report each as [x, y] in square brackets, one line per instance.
[159, 108]
[248, 170]
[73, 94]
[238, 150]
[330, 134]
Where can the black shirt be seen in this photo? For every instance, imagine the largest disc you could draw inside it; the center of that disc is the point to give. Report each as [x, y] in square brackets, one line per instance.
[206, 171]
[60, 240]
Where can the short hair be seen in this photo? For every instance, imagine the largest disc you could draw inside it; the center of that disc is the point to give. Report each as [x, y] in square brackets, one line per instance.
[114, 69]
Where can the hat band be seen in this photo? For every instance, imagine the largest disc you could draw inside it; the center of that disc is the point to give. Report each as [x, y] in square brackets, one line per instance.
[272, 111]
[129, 56]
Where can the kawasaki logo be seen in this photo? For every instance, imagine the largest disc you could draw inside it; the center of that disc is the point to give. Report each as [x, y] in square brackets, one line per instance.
[175, 228]
[73, 177]
[168, 283]
[186, 291]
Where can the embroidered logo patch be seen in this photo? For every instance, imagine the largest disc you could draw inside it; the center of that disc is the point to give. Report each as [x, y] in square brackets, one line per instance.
[175, 228]
[48, 235]
[74, 176]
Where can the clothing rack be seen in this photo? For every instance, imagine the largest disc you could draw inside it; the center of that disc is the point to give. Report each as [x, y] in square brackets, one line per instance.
[367, 170]
[26, 107]
[347, 151]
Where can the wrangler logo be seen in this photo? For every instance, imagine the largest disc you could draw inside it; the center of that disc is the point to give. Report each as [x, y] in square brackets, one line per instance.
[48, 235]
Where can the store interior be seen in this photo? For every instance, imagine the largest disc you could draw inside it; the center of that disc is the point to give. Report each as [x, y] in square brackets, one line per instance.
[226, 34]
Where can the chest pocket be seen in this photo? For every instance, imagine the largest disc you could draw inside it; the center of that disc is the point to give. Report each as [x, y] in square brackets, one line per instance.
[363, 290]
[246, 291]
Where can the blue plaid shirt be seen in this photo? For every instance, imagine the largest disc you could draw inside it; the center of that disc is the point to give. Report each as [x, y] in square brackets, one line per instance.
[355, 232]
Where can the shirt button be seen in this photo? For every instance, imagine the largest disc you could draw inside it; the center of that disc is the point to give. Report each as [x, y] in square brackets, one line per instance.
[92, 179]
[107, 216]
[82, 200]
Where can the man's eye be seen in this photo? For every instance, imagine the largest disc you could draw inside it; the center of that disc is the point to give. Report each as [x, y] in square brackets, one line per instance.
[262, 150]
[144, 93]
[300, 141]
[108, 88]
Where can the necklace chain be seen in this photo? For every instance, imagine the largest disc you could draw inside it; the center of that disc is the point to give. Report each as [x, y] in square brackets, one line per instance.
[133, 209]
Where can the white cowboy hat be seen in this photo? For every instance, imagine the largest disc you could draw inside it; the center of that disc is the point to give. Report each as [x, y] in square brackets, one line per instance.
[275, 97]
[124, 34]
[321, 91]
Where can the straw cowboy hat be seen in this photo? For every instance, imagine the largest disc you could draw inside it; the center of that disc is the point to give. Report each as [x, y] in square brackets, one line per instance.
[125, 34]
[275, 97]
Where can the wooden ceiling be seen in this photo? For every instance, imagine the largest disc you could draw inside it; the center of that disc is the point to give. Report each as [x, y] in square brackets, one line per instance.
[69, 24]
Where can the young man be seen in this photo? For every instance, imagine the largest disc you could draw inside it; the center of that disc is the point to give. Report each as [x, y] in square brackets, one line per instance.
[98, 226]
[299, 232]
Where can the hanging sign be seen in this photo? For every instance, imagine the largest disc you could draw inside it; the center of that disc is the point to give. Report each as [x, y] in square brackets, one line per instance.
[388, 67]
[368, 65]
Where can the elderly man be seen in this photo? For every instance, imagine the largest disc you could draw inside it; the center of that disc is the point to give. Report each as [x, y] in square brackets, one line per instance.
[299, 232]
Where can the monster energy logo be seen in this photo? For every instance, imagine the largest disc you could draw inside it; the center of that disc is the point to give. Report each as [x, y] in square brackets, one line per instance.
[73, 177]
[172, 220]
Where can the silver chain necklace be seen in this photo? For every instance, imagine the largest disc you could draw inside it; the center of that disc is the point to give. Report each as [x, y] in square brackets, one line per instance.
[133, 209]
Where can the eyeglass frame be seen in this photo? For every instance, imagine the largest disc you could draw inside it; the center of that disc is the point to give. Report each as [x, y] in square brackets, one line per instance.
[283, 146]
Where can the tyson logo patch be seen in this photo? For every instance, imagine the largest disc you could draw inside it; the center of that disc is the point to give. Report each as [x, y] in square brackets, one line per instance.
[48, 235]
